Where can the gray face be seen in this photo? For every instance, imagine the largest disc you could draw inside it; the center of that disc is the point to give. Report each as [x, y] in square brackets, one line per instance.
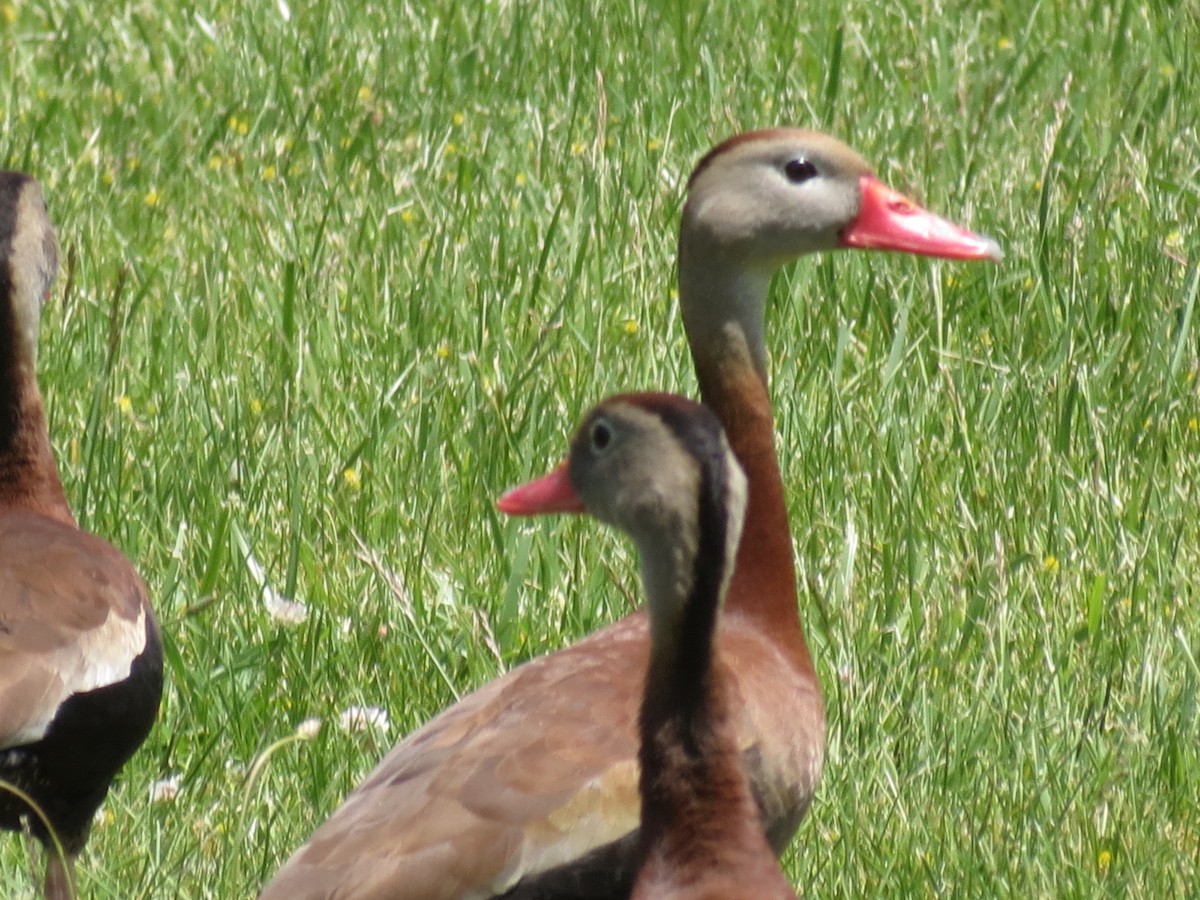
[634, 471]
[631, 472]
[776, 195]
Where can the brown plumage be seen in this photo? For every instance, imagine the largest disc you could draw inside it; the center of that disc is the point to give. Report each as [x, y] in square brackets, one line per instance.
[528, 787]
[80, 653]
[658, 467]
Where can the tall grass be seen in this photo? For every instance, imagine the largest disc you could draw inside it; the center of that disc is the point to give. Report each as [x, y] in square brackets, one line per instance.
[337, 274]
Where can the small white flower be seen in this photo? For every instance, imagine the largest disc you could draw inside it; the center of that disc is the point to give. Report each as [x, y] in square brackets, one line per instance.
[165, 790]
[307, 730]
[360, 718]
[447, 593]
[281, 609]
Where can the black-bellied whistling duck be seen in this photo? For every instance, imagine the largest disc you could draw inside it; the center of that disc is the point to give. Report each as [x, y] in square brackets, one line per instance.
[528, 787]
[659, 468]
[80, 652]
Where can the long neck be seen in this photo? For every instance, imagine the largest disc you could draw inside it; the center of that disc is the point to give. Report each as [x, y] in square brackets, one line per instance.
[28, 475]
[695, 795]
[724, 309]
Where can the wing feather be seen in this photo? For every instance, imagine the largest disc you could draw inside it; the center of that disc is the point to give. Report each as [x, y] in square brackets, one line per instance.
[72, 619]
[532, 771]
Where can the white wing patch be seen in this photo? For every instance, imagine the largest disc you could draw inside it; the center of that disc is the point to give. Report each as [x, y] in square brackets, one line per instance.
[603, 811]
[100, 657]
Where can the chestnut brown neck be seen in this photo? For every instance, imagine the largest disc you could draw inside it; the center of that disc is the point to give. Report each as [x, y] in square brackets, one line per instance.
[698, 812]
[28, 475]
[724, 310]
[697, 808]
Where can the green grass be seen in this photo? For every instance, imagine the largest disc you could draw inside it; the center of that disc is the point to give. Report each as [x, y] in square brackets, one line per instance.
[404, 242]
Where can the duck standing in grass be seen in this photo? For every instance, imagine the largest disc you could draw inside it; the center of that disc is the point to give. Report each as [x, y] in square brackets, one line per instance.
[527, 788]
[80, 651]
[658, 467]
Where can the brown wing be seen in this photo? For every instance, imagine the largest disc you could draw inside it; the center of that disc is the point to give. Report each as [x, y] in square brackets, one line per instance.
[532, 771]
[514, 778]
[72, 619]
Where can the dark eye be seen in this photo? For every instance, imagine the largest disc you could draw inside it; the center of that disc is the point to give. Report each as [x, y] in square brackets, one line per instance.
[799, 171]
[601, 435]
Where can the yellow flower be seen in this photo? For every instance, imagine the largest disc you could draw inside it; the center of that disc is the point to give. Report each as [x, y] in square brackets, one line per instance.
[152, 197]
[408, 217]
[256, 406]
[1175, 240]
[214, 162]
[653, 144]
[1193, 424]
[1103, 861]
[451, 148]
[458, 118]
[9, 13]
[268, 173]
[520, 179]
[364, 93]
[352, 479]
[577, 149]
[443, 350]
[125, 405]
[1166, 70]
[1050, 564]
[1004, 44]
[631, 326]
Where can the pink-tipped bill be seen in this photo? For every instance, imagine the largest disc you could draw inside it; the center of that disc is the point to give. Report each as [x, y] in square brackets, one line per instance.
[887, 220]
[551, 493]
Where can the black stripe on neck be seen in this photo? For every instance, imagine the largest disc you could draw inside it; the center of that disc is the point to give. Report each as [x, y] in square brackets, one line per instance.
[683, 690]
[12, 185]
